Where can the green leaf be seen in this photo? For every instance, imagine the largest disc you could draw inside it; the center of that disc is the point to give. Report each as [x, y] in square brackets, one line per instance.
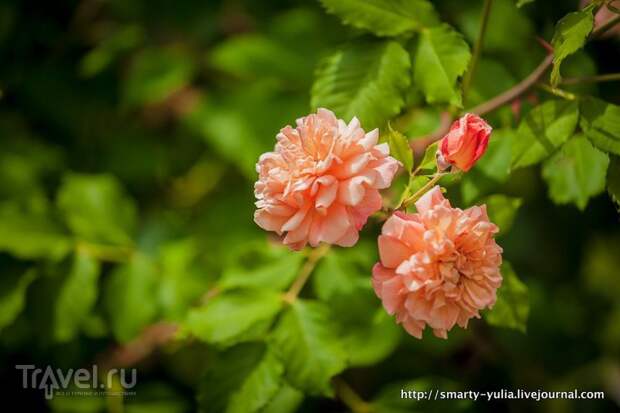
[417, 183]
[24, 161]
[28, 235]
[182, 283]
[95, 325]
[13, 295]
[257, 56]
[576, 172]
[600, 121]
[570, 35]
[502, 210]
[261, 265]
[521, 3]
[333, 276]
[400, 149]
[580, 64]
[306, 341]
[96, 208]
[368, 334]
[343, 270]
[156, 73]
[258, 387]
[76, 298]
[442, 56]
[384, 17]
[426, 167]
[242, 380]
[129, 300]
[366, 80]
[234, 316]
[512, 307]
[511, 44]
[542, 131]
[492, 170]
[429, 161]
[120, 40]
[287, 400]
[240, 124]
[613, 180]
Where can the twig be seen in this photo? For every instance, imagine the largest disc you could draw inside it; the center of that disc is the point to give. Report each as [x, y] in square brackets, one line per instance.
[514, 91]
[351, 399]
[612, 8]
[557, 92]
[545, 44]
[419, 145]
[533, 78]
[609, 77]
[418, 194]
[211, 293]
[138, 349]
[486, 11]
[600, 30]
[314, 257]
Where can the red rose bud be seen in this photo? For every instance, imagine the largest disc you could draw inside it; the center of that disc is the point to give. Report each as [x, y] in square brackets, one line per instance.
[465, 143]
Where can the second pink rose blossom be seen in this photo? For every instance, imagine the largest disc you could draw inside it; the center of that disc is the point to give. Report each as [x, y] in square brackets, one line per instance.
[438, 267]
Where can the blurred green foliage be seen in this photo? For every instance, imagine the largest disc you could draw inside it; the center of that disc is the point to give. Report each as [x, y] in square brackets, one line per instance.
[130, 130]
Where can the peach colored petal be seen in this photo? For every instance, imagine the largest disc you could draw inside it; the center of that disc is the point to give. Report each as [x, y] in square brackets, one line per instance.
[405, 228]
[384, 169]
[352, 190]
[370, 140]
[392, 251]
[325, 196]
[413, 327]
[389, 288]
[359, 214]
[295, 220]
[349, 238]
[430, 199]
[379, 275]
[270, 222]
[335, 224]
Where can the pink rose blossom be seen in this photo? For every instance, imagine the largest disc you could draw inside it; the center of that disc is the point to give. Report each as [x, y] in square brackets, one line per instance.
[438, 267]
[465, 143]
[321, 182]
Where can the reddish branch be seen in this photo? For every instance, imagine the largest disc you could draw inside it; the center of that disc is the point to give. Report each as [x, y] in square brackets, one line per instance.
[515, 91]
[420, 144]
[508, 96]
[129, 354]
